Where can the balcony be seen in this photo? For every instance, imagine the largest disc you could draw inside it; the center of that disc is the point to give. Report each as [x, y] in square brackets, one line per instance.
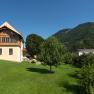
[7, 41]
[10, 44]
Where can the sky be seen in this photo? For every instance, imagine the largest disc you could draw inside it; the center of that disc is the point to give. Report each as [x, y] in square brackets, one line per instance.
[45, 17]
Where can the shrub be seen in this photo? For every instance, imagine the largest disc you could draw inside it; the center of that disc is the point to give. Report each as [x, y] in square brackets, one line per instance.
[70, 58]
[87, 78]
[86, 59]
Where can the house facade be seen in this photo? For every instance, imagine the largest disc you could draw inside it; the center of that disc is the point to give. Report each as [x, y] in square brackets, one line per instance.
[11, 43]
[85, 51]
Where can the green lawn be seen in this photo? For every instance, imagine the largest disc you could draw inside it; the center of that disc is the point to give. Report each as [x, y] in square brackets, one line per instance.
[27, 78]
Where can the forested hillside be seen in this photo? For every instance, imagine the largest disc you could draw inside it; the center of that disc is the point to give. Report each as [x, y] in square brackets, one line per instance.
[79, 37]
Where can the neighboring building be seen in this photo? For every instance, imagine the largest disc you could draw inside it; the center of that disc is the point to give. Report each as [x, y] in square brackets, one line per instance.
[85, 51]
[11, 43]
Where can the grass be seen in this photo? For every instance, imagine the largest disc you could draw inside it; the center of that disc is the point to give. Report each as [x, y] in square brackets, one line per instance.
[27, 78]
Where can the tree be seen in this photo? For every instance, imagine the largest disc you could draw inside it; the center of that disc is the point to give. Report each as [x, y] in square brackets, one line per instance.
[87, 78]
[51, 52]
[33, 43]
[86, 59]
[70, 58]
[87, 73]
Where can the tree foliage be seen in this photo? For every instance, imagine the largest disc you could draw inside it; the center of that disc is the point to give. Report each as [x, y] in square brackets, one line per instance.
[79, 37]
[33, 43]
[85, 59]
[70, 58]
[87, 73]
[52, 52]
[87, 78]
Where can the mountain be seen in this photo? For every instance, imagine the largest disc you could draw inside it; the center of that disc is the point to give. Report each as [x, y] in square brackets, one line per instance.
[62, 34]
[82, 36]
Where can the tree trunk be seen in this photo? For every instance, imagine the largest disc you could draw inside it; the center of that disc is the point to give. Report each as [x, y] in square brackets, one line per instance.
[91, 90]
[50, 68]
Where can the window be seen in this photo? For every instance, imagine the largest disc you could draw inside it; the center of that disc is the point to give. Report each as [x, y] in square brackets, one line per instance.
[10, 51]
[0, 40]
[7, 40]
[0, 51]
[13, 40]
[3, 39]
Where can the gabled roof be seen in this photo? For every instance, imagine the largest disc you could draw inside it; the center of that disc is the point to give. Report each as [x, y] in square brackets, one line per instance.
[6, 24]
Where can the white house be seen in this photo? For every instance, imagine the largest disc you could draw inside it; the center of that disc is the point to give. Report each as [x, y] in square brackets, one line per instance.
[11, 43]
[85, 51]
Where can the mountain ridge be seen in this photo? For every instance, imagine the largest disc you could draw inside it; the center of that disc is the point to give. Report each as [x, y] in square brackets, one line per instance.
[79, 37]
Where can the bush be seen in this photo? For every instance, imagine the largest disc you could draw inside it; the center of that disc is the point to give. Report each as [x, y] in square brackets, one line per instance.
[70, 58]
[86, 59]
[87, 78]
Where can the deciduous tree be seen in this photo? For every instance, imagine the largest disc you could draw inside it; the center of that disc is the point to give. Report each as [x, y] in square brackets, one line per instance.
[87, 78]
[33, 43]
[52, 52]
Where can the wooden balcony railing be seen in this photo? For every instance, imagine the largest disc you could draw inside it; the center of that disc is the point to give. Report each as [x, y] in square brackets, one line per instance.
[10, 44]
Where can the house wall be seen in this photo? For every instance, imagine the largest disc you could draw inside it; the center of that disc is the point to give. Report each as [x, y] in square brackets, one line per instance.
[17, 54]
[80, 53]
[17, 46]
[21, 51]
[84, 52]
